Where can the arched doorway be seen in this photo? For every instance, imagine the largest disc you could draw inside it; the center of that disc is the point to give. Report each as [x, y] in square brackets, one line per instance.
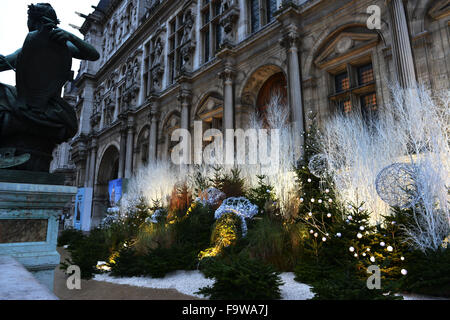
[142, 148]
[166, 145]
[274, 90]
[108, 170]
[264, 84]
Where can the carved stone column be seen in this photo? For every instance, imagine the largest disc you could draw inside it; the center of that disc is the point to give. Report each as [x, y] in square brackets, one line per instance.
[129, 147]
[227, 75]
[401, 45]
[86, 170]
[92, 164]
[185, 97]
[153, 134]
[290, 41]
[123, 146]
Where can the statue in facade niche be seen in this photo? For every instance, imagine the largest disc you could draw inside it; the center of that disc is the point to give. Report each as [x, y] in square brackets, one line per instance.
[188, 26]
[34, 118]
[225, 5]
[158, 54]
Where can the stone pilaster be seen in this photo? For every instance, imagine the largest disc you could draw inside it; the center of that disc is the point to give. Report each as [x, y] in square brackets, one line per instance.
[123, 147]
[129, 147]
[290, 41]
[228, 75]
[87, 170]
[93, 159]
[401, 45]
[185, 98]
[153, 134]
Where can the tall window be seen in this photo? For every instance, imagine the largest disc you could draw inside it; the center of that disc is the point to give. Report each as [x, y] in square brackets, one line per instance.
[261, 12]
[176, 30]
[354, 89]
[147, 68]
[211, 30]
[255, 15]
[271, 7]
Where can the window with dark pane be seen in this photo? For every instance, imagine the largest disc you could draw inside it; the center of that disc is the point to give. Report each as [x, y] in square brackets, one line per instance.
[271, 7]
[342, 82]
[216, 8]
[172, 68]
[206, 45]
[254, 15]
[205, 17]
[369, 102]
[219, 31]
[344, 105]
[365, 74]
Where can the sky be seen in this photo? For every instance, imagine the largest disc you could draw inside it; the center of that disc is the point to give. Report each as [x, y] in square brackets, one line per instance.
[13, 25]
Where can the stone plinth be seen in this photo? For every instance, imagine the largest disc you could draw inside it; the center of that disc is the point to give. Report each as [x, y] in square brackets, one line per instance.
[29, 225]
[19, 284]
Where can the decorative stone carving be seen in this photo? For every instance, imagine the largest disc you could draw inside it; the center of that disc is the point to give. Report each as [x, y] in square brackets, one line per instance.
[158, 64]
[230, 15]
[188, 41]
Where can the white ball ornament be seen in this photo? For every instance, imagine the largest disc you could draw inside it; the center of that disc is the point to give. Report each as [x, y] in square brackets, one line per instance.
[402, 258]
[327, 190]
[372, 259]
[309, 180]
[330, 200]
[313, 200]
[359, 235]
[390, 249]
[404, 272]
[349, 217]
[301, 200]
[311, 231]
[324, 239]
[355, 255]
[329, 215]
[382, 244]
[351, 249]
[319, 201]
[361, 228]
[310, 214]
[338, 234]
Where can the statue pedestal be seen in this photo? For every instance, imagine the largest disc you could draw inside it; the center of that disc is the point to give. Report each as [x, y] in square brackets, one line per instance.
[29, 221]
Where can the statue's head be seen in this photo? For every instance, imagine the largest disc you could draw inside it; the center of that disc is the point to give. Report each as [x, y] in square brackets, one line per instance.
[39, 13]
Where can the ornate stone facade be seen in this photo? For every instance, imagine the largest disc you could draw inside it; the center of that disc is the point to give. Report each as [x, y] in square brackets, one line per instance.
[166, 64]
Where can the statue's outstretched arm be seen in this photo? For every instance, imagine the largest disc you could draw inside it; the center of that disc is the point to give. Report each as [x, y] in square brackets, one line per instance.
[80, 49]
[10, 61]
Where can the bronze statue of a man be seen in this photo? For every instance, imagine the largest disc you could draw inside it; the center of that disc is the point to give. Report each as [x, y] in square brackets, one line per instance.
[34, 118]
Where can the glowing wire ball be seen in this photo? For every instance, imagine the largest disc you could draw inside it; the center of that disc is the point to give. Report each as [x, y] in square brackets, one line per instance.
[396, 185]
[318, 165]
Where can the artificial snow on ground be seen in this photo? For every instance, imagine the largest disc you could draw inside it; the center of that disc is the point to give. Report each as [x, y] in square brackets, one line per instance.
[189, 282]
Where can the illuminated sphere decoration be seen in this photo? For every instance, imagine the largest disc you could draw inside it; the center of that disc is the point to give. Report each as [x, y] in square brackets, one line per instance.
[396, 185]
[318, 165]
